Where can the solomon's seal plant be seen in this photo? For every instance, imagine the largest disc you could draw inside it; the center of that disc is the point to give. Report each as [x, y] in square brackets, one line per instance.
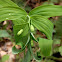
[24, 25]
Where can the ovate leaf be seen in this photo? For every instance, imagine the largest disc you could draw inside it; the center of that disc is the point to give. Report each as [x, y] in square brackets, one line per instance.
[10, 11]
[43, 24]
[47, 10]
[7, 3]
[17, 28]
[45, 46]
[22, 38]
[20, 21]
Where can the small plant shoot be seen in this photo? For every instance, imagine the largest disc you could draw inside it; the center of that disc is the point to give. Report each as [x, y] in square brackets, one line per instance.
[24, 24]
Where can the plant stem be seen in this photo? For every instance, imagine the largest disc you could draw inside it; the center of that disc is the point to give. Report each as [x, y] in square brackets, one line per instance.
[29, 44]
[54, 58]
[24, 52]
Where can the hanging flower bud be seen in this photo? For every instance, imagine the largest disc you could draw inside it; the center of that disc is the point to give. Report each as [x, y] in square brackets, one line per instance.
[32, 44]
[32, 28]
[20, 32]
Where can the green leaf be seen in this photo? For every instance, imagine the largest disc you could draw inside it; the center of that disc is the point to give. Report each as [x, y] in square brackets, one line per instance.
[5, 57]
[10, 11]
[45, 46]
[17, 28]
[25, 40]
[23, 37]
[20, 21]
[47, 10]
[7, 3]
[4, 33]
[60, 50]
[43, 24]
